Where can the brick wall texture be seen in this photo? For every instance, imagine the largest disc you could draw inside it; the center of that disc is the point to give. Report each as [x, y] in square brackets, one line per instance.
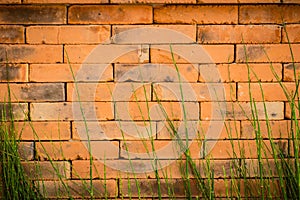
[43, 41]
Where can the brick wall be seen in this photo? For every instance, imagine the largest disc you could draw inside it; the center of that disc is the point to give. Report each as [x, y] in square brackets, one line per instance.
[39, 37]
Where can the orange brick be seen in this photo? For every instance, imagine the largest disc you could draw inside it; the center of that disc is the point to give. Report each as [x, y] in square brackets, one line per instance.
[34, 92]
[269, 166]
[269, 14]
[64, 111]
[47, 170]
[62, 72]
[34, 14]
[290, 71]
[173, 34]
[13, 72]
[109, 92]
[107, 54]
[44, 130]
[193, 92]
[76, 150]
[212, 53]
[278, 129]
[242, 110]
[140, 111]
[196, 14]
[239, 72]
[26, 150]
[290, 1]
[261, 53]
[10, 1]
[289, 112]
[112, 14]
[67, 34]
[238, 34]
[12, 34]
[19, 111]
[292, 31]
[154, 1]
[31, 53]
[65, 1]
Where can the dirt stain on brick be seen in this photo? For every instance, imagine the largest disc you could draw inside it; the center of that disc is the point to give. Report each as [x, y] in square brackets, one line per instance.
[45, 92]
[253, 52]
[9, 72]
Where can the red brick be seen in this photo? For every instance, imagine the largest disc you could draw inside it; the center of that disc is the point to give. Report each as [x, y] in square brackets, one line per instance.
[32, 14]
[65, 1]
[268, 53]
[64, 111]
[19, 110]
[196, 14]
[155, 1]
[271, 91]
[214, 53]
[43, 130]
[242, 110]
[291, 1]
[32, 92]
[10, 1]
[288, 110]
[253, 14]
[67, 34]
[292, 31]
[238, 34]
[12, 34]
[289, 70]
[110, 14]
[13, 72]
[31, 53]
[62, 72]
[239, 72]
[109, 92]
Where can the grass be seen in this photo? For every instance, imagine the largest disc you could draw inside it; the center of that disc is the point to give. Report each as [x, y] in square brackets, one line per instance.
[272, 173]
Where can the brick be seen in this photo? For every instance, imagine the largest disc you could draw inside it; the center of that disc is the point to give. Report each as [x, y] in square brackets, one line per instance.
[67, 34]
[143, 110]
[12, 34]
[242, 110]
[43, 130]
[64, 1]
[237, 1]
[270, 91]
[156, 72]
[104, 54]
[34, 92]
[78, 189]
[191, 14]
[154, 34]
[47, 170]
[276, 14]
[26, 150]
[76, 150]
[62, 72]
[31, 53]
[288, 111]
[292, 31]
[64, 111]
[239, 72]
[10, 1]
[19, 111]
[112, 14]
[278, 129]
[289, 70]
[113, 130]
[109, 92]
[238, 34]
[290, 1]
[13, 72]
[268, 52]
[155, 1]
[32, 15]
[195, 53]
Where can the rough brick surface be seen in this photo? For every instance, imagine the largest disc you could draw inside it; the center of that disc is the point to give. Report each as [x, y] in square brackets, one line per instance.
[13, 72]
[12, 34]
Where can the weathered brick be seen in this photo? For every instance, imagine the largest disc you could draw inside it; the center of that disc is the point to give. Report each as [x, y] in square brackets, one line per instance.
[292, 32]
[19, 110]
[76, 150]
[242, 110]
[239, 72]
[63, 73]
[13, 72]
[31, 53]
[109, 92]
[276, 14]
[64, 1]
[155, 1]
[112, 14]
[34, 92]
[196, 53]
[196, 14]
[266, 91]
[10, 1]
[26, 150]
[43, 130]
[65, 111]
[238, 34]
[12, 34]
[291, 71]
[269, 165]
[268, 53]
[289, 112]
[67, 34]
[32, 15]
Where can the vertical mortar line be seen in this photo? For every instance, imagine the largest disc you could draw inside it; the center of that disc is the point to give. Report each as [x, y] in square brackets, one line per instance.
[236, 91]
[281, 34]
[63, 53]
[66, 92]
[71, 130]
[234, 53]
[25, 32]
[67, 14]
